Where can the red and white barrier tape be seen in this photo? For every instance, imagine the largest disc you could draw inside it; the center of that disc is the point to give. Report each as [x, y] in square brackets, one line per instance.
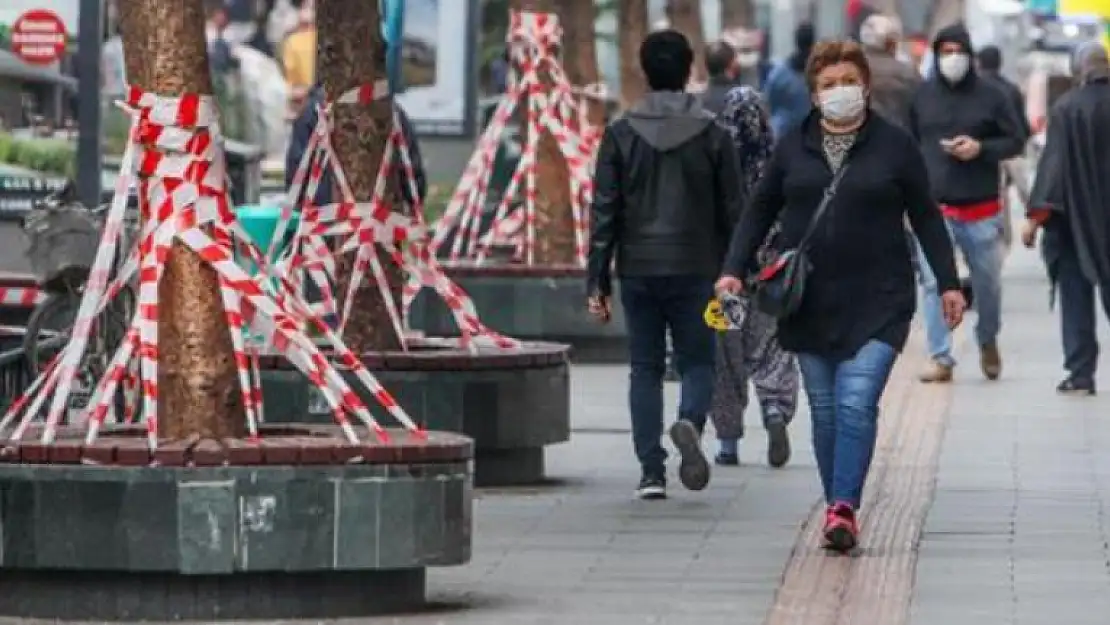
[21, 296]
[360, 227]
[176, 153]
[560, 110]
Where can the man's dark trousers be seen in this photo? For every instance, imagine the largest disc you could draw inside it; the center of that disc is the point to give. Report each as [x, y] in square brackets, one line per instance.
[652, 305]
[1078, 314]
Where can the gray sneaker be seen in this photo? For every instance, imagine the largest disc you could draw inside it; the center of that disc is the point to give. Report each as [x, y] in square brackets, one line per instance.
[693, 469]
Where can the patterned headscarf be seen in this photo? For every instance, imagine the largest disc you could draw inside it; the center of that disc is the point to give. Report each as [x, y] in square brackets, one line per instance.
[746, 119]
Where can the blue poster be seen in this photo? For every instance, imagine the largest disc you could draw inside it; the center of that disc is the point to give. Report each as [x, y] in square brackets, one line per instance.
[393, 29]
[1041, 7]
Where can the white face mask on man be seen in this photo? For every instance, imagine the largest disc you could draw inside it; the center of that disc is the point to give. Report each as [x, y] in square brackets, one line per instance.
[842, 103]
[954, 66]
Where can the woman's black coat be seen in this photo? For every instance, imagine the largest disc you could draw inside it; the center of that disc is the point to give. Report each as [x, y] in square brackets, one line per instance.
[862, 284]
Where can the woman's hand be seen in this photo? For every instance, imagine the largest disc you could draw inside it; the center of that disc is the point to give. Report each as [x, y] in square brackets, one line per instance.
[730, 285]
[953, 304]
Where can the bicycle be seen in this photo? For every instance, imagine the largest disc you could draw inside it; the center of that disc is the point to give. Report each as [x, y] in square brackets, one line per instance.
[64, 236]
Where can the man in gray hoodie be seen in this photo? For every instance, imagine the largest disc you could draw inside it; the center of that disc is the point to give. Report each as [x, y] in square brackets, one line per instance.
[666, 195]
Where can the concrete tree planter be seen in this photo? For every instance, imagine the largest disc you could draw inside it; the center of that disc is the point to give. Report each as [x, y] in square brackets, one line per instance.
[301, 525]
[530, 303]
[512, 404]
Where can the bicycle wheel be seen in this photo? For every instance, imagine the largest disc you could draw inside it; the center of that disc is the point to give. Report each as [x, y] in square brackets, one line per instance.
[48, 329]
[49, 326]
[48, 332]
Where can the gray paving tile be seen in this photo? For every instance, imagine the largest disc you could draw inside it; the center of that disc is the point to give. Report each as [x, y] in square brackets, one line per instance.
[1016, 534]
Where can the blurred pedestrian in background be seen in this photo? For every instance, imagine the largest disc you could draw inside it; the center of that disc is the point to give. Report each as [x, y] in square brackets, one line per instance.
[298, 57]
[785, 90]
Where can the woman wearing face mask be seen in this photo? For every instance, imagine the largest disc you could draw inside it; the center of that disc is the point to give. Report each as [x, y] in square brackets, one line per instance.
[858, 299]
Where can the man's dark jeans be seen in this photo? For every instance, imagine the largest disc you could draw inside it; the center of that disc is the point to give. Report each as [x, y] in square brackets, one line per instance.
[652, 305]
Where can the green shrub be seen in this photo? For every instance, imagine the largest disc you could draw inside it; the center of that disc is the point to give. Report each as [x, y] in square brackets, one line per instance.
[49, 156]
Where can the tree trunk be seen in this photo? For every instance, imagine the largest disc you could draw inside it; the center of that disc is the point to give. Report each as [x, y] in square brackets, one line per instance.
[685, 17]
[198, 389]
[554, 221]
[351, 53]
[578, 18]
[737, 14]
[632, 20]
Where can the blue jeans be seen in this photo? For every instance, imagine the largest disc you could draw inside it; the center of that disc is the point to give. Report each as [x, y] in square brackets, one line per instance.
[844, 406]
[652, 305]
[984, 250]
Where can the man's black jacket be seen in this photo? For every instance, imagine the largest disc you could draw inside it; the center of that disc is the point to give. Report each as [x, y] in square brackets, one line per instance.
[666, 194]
[1013, 94]
[942, 110]
[302, 132]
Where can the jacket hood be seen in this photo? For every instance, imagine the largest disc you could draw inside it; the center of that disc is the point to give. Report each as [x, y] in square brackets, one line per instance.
[668, 119]
[956, 33]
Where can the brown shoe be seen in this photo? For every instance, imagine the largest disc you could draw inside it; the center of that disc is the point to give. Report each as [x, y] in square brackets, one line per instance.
[990, 361]
[936, 372]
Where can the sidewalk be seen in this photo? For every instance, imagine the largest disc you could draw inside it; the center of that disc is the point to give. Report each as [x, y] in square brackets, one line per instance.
[1017, 532]
[987, 505]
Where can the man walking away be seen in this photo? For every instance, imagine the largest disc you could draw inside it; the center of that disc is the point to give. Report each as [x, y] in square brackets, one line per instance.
[990, 68]
[1071, 196]
[665, 198]
[751, 352]
[966, 128]
[786, 89]
[893, 82]
[723, 67]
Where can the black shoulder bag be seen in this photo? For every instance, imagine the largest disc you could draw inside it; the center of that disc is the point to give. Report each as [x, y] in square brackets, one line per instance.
[778, 288]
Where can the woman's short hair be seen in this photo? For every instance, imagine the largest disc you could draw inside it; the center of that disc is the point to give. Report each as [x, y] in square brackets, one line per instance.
[828, 53]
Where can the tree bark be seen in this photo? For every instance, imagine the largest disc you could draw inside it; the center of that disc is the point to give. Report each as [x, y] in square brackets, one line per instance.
[198, 389]
[351, 53]
[554, 221]
[685, 17]
[579, 18]
[632, 16]
[737, 14]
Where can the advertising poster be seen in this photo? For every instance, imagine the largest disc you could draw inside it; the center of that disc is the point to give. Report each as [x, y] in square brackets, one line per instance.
[436, 64]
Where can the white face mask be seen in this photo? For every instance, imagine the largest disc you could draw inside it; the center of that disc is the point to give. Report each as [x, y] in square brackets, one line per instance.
[954, 67]
[843, 103]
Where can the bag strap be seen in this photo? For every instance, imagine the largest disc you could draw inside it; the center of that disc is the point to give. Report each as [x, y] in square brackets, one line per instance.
[823, 207]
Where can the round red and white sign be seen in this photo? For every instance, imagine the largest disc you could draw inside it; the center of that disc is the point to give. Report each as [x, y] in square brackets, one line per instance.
[39, 37]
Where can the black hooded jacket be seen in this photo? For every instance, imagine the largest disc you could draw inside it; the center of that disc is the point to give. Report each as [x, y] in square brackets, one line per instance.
[303, 128]
[972, 107]
[666, 193]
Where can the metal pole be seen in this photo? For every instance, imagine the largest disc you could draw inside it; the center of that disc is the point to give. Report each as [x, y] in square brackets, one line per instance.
[90, 33]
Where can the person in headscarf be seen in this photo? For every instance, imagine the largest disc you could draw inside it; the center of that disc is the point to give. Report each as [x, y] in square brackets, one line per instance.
[1070, 202]
[893, 82]
[751, 353]
[786, 88]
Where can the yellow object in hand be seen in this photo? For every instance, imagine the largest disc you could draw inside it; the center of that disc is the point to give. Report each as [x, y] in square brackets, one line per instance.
[715, 316]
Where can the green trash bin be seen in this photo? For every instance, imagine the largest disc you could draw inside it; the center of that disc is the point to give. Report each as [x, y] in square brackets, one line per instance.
[260, 222]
